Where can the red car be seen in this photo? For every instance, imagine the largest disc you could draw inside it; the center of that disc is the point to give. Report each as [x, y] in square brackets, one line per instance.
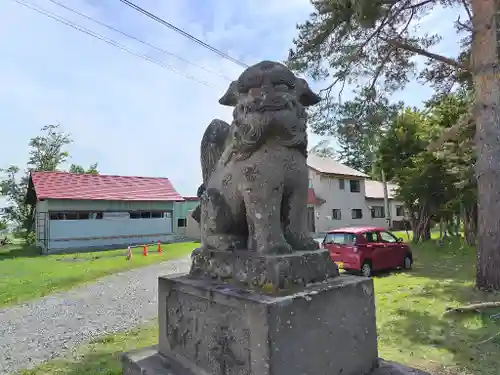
[367, 249]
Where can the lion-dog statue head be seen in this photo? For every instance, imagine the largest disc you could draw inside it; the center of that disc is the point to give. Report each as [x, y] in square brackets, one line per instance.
[269, 106]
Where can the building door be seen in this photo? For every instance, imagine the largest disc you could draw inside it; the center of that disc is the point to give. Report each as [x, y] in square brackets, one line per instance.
[310, 220]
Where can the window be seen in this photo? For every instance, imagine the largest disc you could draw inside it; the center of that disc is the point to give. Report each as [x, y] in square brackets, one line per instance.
[71, 216]
[181, 222]
[56, 216]
[150, 214]
[387, 237]
[355, 186]
[400, 210]
[75, 215]
[341, 184]
[357, 213]
[84, 215]
[370, 237]
[336, 214]
[340, 238]
[135, 215]
[378, 212]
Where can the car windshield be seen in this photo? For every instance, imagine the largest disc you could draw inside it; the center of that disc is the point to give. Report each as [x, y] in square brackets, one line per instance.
[340, 238]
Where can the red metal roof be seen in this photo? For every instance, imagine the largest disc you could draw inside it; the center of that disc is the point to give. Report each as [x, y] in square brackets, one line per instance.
[85, 186]
[312, 197]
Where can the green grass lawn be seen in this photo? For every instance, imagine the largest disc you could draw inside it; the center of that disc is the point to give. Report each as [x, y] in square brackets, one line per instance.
[25, 274]
[411, 325]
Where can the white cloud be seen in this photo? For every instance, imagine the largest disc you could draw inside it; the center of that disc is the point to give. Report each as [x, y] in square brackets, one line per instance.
[131, 116]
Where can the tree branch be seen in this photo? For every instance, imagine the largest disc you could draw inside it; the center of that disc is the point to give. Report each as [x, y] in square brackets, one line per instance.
[387, 18]
[414, 6]
[477, 307]
[466, 6]
[407, 47]
[452, 132]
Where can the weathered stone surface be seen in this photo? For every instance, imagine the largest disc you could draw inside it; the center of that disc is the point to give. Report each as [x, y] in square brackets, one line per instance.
[148, 361]
[208, 328]
[273, 271]
[255, 176]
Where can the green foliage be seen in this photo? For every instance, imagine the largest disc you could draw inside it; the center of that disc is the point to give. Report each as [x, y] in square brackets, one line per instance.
[432, 185]
[370, 45]
[46, 153]
[364, 42]
[3, 224]
[323, 149]
[358, 125]
[79, 169]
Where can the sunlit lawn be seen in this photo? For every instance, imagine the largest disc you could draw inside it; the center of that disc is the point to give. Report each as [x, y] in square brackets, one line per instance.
[412, 328]
[24, 274]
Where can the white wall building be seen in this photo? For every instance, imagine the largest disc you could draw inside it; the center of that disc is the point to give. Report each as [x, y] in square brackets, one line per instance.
[83, 211]
[375, 199]
[340, 196]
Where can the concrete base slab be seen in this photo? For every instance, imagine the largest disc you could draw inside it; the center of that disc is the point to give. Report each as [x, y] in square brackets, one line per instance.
[148, 361]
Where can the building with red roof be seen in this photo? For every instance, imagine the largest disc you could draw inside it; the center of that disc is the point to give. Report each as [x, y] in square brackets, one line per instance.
[81, 211]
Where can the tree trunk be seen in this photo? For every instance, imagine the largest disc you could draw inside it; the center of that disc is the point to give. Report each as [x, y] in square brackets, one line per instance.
[470, 224]
[387, 209]
[486, 24]
[426, 234]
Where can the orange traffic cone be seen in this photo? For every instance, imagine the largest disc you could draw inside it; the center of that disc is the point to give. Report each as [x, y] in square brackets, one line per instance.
[129, 253]
[159, 246]
[145, 250]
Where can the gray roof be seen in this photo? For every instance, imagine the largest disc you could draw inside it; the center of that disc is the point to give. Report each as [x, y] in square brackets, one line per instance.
[331, 166]
[375, 189]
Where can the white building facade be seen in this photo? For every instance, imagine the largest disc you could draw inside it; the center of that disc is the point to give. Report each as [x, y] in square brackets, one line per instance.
[340, 196]
[84, 211]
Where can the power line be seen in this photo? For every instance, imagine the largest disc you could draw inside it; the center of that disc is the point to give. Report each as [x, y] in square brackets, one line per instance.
[139, 40]
[184, 33]
[106, 40]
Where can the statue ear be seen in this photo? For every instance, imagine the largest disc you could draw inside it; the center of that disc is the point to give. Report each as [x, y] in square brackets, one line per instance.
[307, 97]
[230, 97]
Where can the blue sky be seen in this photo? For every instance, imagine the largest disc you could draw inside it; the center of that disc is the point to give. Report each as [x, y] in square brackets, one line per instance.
[129, 115]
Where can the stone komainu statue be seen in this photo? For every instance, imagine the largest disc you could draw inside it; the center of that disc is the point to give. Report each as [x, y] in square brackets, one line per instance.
[255, 176]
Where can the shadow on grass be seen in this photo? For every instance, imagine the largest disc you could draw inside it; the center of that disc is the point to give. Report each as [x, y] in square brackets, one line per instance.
[101, 355]
[453, 334]
[104, 363]
[18, 251]
[454, 260]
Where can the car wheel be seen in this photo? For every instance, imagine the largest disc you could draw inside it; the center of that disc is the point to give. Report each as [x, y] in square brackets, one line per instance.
[407, 262]
[366, 270]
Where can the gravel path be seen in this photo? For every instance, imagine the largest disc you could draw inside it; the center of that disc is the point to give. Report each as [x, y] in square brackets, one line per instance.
[45, 328]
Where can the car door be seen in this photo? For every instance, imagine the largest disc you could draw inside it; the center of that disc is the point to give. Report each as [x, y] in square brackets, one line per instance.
[392, 250]
[372, 250]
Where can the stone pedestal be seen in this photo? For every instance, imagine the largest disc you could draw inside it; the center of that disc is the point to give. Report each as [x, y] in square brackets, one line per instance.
[207, 328]
[281, 271]
[326, 328]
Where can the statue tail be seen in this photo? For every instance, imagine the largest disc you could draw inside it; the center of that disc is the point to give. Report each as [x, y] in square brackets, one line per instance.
[212, 147]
